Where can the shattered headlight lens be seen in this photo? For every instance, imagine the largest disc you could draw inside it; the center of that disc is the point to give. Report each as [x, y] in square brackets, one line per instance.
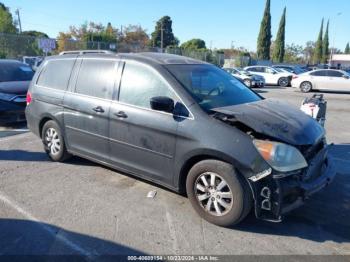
[279, 156]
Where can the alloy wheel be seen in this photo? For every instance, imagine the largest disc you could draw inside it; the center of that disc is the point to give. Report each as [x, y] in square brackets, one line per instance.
[283, 82]
[52, 141]
[213, 194]
[305, 87]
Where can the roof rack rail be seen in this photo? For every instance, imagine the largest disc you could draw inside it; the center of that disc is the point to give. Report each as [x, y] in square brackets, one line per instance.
[82, 52]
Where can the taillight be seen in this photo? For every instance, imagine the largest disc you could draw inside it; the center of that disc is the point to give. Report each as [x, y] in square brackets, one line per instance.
[29, 98]
[295, 76]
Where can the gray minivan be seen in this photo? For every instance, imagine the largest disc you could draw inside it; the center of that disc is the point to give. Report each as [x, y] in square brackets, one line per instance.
[184, 124]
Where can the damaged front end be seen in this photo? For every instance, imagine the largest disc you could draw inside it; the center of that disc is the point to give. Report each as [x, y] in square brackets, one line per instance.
[280, 192]
[295, 149]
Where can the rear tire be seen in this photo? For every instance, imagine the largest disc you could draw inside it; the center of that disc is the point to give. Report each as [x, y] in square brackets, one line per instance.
[305, 87]
[283, 81]
[225, 200]
[53, 141]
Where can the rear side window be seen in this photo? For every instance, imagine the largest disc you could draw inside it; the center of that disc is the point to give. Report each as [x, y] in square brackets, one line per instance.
[332, 73]
[56, 74]
[96, 78]
[139, 84]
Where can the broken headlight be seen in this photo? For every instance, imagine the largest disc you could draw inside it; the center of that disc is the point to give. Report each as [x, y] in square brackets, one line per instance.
[279, 156]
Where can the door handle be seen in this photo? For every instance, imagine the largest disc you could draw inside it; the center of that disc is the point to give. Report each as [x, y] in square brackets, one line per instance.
[121, 114]
[98, 109]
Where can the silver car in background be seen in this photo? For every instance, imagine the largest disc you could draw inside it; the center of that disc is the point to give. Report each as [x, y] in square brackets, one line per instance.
[323, 79]
[247, 78]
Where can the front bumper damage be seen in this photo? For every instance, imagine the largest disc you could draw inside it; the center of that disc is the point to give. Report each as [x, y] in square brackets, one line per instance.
[278, 193]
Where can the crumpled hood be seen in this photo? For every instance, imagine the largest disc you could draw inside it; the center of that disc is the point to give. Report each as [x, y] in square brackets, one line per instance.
[277, 120]
[14, 87]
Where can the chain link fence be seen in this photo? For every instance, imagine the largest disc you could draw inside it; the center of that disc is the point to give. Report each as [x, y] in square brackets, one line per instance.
[14, 46]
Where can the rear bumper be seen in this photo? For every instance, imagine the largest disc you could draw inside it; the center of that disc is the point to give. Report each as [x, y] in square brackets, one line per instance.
[289, 191]
[294, 84]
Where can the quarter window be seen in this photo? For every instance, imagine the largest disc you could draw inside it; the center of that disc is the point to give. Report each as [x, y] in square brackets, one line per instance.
[139, 84]
[96, 78]
[56, 74]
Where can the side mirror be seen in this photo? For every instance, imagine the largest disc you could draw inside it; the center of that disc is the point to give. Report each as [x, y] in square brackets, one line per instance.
[162, 103]
[346, 76]
[273, 72]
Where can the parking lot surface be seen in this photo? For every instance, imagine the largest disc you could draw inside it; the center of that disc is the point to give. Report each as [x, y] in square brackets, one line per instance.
[80, 207]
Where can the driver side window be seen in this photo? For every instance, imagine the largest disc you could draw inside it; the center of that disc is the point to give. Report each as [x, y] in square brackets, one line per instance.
[140, 83]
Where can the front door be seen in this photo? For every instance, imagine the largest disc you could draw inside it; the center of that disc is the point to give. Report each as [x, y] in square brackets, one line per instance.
[143, 140]
[338, 81]
[87, 108]
[320, 79]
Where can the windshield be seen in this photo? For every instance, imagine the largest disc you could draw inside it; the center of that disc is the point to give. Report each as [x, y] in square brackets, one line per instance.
[15, 72]
[212, 87]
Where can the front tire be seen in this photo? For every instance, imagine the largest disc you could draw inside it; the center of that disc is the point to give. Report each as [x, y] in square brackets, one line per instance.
[283, 82]
[217, 193]
[305, 87]
[53, 141]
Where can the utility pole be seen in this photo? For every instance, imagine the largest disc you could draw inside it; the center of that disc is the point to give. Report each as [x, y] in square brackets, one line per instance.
[332, 49]
[19, 20]
[161, 36]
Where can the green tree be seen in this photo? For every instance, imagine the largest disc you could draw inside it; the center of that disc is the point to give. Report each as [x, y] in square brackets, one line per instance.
[134, 37]
[164, 24]
[194, 44]
[308, 51]
[279, 47]
[34, 33]
[319, 46]
[6, 21]
[264, 38]
[347, 49]
[294, 54]
[325, 47]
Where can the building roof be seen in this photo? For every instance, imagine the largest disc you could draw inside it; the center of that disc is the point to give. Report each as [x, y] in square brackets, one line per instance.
[340, 57]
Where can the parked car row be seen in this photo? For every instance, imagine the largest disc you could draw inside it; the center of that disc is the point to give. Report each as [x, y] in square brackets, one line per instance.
[295, 76]
[247, 78]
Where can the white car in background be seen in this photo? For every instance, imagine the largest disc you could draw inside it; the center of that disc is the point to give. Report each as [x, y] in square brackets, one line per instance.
[247, 78]
[323, 79]
[272, 75]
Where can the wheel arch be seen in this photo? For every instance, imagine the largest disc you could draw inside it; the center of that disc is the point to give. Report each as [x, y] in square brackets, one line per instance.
[307, 81]
[44, 119]
[196, 158]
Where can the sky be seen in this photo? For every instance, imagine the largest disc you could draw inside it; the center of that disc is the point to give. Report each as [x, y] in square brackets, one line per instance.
[220, 23]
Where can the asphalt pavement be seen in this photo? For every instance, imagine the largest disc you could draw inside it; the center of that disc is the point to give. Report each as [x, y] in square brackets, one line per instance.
[82, 208]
